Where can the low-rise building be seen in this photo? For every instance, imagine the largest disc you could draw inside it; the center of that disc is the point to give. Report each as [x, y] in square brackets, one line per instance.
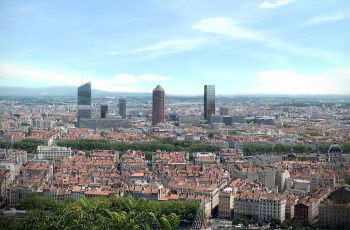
[205, 158]
[53, 152]
[307, 207]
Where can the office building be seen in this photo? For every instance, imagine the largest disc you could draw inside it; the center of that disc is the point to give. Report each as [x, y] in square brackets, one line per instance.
[122, 107]
[216, 119]
[84, 101]
[104, 123]
[104, 111]
[209, 101]
[189, 119]
[223, 111]
[158, 105]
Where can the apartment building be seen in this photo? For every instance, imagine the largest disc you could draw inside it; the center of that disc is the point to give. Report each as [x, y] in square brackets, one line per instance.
[260, 206]
[334, 212]
[53, 152]
[226, 203]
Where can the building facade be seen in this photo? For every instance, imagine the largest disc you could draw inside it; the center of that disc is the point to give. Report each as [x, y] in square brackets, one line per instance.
[158, 105]
[122, 107]
[259, 207]
[54, 152]
[104, 111]
[226, 203]
[223, 111]
[334, 212]
[209, 101]
[84, 101]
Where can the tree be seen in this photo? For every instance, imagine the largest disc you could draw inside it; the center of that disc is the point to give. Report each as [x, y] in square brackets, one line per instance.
[39, 202]
[236, 221]
[164, 223]
[245, 222]
[210, 135]
[275, 223]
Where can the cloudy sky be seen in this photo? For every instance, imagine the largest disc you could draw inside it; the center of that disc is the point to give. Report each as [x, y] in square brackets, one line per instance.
[241, 46]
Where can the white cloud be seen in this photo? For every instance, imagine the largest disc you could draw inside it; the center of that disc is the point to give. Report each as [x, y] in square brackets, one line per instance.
[285, 82]
[25, 73]
[126, 79]
[152, 77]
[120, 82]
[115, 86]
[165, 47]
[229, 28]
[225, 26]
[275, 3]
[323, 19]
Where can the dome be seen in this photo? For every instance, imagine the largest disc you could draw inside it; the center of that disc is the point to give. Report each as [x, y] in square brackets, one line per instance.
[335, 148]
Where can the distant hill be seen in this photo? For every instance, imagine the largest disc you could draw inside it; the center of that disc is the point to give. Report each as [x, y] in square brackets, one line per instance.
[61, 91]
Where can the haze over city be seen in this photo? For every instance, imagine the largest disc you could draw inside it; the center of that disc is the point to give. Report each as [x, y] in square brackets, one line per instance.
[243, 47]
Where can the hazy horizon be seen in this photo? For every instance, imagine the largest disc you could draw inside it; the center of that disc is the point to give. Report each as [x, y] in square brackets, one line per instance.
[35, 91]
[272, 47]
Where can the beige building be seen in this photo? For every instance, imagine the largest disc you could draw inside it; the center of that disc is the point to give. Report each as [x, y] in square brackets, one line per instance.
[226, 202]
[247, 205]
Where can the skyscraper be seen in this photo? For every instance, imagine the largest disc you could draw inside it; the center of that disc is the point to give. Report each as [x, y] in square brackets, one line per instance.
[84, 101]
[104, 110]
[209, 101]
[158, 105]
[122, 107]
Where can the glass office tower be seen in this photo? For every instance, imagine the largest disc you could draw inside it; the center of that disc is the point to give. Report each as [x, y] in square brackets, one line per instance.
[209, 101]
[84, 101]
[122, 107]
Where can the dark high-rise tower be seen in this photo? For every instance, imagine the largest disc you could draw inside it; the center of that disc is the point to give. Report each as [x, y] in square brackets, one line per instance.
[84, 101]
[104, 111]
[158, 105]
[209, 101]
[122, 107]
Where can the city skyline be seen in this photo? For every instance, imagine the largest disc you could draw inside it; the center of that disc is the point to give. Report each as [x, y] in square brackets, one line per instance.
[248, 47]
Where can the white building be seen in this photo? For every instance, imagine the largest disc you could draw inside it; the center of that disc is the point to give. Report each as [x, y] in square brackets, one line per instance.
[205, 158]
[271, 207]
[281, 176]
[53, 152]
[43, 123]
[259, 207]
[298, 187]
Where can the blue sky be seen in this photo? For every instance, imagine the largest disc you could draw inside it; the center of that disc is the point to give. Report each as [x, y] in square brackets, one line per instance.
[243, 47]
